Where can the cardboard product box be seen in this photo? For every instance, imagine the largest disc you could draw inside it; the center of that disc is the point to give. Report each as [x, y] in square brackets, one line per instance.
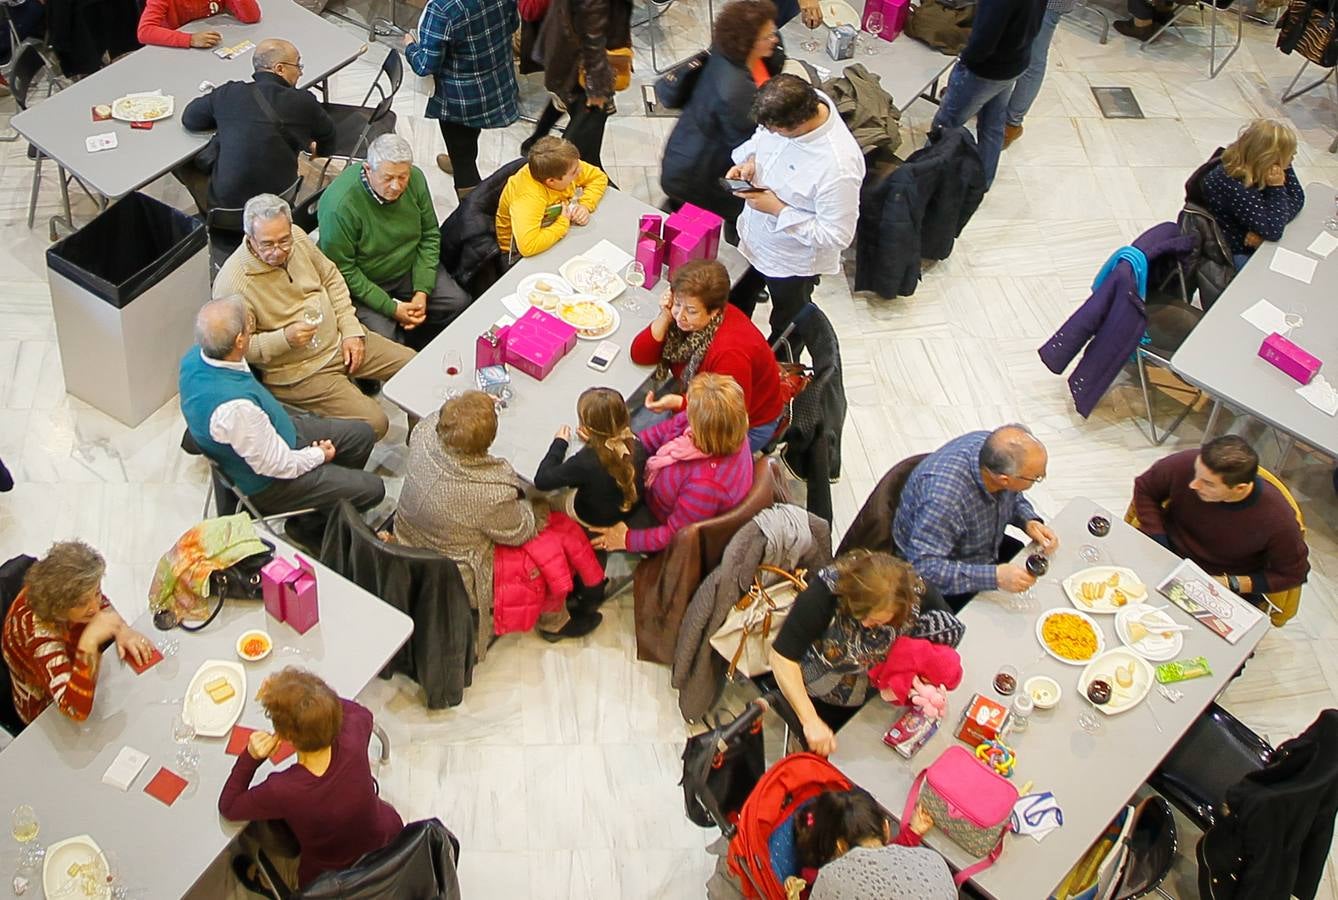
[841, 42]
[984, 720]
[1298, 363]
[272, 578]
[301, 609]
[650, 253]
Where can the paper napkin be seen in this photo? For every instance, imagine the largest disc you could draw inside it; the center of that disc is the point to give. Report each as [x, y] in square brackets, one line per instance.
[156, 658]
[238, 739]
[1293, 265]
[1323, 245]
[1320, 394]
[1266, 317]
[125, 768]
[609, 254]
[1037, 814]
[166, 786]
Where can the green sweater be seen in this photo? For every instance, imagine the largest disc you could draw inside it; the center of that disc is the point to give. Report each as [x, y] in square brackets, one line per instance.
[376, 243]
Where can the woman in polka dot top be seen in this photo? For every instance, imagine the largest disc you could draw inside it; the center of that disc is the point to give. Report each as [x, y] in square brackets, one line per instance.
[1253, 191]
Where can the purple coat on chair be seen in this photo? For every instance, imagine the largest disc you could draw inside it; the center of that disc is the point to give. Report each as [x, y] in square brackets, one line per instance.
[1111, 322]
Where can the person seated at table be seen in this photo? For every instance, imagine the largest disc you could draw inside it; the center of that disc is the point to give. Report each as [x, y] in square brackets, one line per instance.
[701, 466]
[325, 807]
[161, 21]
[1210, 505]
[1253, 191]
[280, 461]
[843, 624]
[718, 116]
[950, 521]
[607, 473]
[699, 330]
[552, 191]
[463, 502]
[308, 341]
[378, 225]
[56, 629]
[260, 128]
[845, 848]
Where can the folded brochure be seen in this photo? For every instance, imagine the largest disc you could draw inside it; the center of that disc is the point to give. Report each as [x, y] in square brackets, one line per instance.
[1200, 595]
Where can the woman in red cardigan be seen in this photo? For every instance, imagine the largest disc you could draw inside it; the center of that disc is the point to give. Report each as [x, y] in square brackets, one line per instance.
[161, 21]
[697, 331]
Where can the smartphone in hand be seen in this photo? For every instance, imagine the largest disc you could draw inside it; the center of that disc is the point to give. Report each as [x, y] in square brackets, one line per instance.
[739, 186]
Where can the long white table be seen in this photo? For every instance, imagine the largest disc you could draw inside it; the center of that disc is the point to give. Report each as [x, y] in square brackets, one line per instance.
[59, 125]
[906, 68]
[56, 765]
[1091, 776]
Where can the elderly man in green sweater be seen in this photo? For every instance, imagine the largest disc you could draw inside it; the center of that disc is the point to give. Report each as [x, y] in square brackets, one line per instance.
[378, 226]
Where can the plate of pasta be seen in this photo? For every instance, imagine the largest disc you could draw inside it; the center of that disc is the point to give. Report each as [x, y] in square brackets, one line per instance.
[1070, 636]
[592, 318]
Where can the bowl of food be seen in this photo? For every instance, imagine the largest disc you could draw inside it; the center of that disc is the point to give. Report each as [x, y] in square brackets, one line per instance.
[1070, 636]
[254, 645]
[1043, 690]
[591, 317]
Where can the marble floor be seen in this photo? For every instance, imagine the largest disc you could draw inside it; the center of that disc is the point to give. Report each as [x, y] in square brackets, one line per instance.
[559, 770]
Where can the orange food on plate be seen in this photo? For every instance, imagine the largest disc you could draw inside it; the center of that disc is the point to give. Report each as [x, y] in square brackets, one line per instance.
[1069, 636]
[254, 646]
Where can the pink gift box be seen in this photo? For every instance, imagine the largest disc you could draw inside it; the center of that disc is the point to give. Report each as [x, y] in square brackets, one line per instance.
[650, 253]
[650, 226]
[687, 245]
[300, 607]
[536, 342]
[895, 13]
[490, 347]
[1289, 358]
[536, 319]
[692, 220]
[272, 578]
[711, 224]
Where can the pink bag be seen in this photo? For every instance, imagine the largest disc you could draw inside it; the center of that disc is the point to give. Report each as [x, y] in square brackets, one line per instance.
[895, 14]
[969, 802]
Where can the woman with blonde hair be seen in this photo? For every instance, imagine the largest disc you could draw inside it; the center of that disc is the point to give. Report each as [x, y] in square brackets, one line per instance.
[1253, 192]
[701, 466]
[606, 473]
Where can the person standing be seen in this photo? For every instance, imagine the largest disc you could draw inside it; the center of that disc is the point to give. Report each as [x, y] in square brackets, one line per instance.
[1028, 85]
[997, 51]
[465, 45]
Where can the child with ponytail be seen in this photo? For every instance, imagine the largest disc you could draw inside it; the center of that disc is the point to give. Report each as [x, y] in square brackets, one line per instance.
[607, 472]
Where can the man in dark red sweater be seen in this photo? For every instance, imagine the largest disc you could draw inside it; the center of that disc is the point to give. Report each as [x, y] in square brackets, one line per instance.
[1211, 506]
[161, 21]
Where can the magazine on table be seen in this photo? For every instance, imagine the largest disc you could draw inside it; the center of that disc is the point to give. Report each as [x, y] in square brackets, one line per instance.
[1206, 599]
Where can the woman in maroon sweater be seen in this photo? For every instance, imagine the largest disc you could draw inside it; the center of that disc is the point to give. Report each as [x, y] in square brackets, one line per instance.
[697, 330]
[328, 797]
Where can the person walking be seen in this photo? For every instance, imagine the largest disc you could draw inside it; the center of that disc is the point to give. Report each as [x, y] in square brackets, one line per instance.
[1028, 84]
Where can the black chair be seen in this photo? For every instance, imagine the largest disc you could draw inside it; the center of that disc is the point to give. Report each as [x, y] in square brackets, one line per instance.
[357, 126]
[227, 497]
[12, 573]
[225, 229]
[1152, 846]
[304, 213]
[1214, 755]
[469, 250]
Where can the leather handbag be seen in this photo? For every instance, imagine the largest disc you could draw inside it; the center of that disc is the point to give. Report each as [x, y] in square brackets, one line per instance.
[620, 62]
[674, 88]
[970, 803]
[239, 581]
[751, 626]
[1316, 42]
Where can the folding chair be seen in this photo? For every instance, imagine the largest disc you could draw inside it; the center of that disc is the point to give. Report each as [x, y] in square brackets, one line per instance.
[357, 126]
[27, 64]
[1214, 67]
[225, 228]
[227, 497]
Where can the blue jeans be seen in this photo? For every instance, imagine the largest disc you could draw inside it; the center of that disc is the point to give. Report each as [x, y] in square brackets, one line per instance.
[759, 435]
[1028, 84]
[970, 96]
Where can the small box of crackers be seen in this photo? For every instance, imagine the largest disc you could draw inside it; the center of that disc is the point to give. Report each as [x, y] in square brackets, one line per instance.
[984, 720]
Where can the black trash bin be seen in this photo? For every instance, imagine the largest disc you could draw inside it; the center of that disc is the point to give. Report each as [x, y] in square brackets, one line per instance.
[124, 290]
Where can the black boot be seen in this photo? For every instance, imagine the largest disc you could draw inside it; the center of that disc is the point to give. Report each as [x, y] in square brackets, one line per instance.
[586, 600]
[579, 626]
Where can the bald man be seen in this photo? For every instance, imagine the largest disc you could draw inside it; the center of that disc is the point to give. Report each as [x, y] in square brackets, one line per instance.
[951, 517]
[261, 127]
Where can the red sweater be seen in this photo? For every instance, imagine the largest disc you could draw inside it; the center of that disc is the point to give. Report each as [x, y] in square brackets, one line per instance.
[44, 664]
[737, 350]
[161, 19]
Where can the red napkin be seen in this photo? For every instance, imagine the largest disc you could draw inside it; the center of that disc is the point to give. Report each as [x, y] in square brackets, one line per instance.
[282, 752]
[165, 786]
[238, 739]
[154, 659]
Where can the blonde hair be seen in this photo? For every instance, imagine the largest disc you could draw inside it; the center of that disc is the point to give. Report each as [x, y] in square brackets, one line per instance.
[1262, 144]
[602, 412]
[868, 581]
[717, 414]
[552, 157]
[468, 423]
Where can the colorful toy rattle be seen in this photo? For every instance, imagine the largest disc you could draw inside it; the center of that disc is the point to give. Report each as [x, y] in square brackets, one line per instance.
[998, 756]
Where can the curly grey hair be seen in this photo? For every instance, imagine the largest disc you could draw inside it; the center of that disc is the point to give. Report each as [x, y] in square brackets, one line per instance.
[388, 148]
[264, 207]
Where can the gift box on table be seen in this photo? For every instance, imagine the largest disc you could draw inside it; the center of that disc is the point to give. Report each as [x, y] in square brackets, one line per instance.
[289, 591]
[895, 14]
[490, 347]
[1298, 363]
[536, 342]
[650, 248]
[984, 720]
[691, 233]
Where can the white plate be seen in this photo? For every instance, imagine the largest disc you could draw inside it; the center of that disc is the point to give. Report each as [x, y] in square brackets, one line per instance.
[613, 326]
[1100, 638]
[121, 111]
[1151, 647]
[1121, 698]
[215, 719]
[56, 879]
[246, 636]
[835, 13]
[558, 284]
[574, 270]
[1135, 592]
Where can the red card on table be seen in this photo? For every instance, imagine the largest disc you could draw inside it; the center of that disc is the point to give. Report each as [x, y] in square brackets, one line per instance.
[154, 659]
[282, 752]
[165, 786]
[238, 739]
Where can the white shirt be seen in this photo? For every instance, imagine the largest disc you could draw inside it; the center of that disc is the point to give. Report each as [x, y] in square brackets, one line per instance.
[818, 177]
[245, 427]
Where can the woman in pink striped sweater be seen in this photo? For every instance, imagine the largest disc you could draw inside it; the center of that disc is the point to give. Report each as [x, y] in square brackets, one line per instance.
[700, 466]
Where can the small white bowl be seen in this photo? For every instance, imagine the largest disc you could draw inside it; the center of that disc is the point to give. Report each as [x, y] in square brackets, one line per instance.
[253, 633]
[1043, 690]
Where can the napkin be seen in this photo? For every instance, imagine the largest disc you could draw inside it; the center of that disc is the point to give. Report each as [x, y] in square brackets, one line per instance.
[125, 768]
[609, 254]
[1323, 245]
[241, 735]
[1266, 317]
[165, 786]
[154, 659]
[282, 752]
[1320, 394]
[1037, 814]
[1293, 265]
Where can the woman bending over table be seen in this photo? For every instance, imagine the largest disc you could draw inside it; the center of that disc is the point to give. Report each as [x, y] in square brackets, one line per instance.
[606, 474]
[701, 466]
[1253, 191]
[327, 800]
[845, 623]
[698, 330]
[56, 629]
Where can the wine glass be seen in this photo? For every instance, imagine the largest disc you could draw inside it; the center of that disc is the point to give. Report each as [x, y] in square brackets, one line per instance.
[183, 732]
[312, 314]
[810, 43]
[117, 889]
[25, 827]
[1090, 554]
[1294, 319]
[873, 26]
[635, 276]
[1036, 565]
[1098, 693]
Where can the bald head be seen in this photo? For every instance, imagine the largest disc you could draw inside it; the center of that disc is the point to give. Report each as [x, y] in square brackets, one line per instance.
[1014, 452]
[273, 52]
[218, 325]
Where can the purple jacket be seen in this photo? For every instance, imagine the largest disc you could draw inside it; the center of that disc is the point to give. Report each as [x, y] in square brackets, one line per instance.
[1110, 323]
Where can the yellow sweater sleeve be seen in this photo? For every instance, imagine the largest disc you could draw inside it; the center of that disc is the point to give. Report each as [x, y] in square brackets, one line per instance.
[527, 215]
[594, 183]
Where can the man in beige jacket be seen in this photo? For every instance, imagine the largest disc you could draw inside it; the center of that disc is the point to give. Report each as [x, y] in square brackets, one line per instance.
[308, 341]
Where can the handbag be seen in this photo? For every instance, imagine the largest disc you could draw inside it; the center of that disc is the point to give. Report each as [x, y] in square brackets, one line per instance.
[620, 62]
[239, 581]
[751, 626]
[970, 803]
[721, 770]
[674, 88]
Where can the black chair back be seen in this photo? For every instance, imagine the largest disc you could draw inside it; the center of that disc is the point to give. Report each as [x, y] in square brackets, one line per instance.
[1152, 847]
[12, 573]
[26, 67]
[1214, 755]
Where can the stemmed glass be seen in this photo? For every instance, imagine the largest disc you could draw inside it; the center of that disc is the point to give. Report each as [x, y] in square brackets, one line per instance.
[1294, 319]
[1097, 526]
[25, 827]
[1037, 564]
[810, 42]
[183, 732]
[313, 315]
[873, 26]
[450, 367]
[1098, 693]
[117, 889]
[635, 276]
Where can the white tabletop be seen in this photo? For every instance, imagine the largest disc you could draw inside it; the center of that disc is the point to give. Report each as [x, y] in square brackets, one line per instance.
[1221, 355]
[60, 124]
[56, 765]
[905, 67]
[1091, 776]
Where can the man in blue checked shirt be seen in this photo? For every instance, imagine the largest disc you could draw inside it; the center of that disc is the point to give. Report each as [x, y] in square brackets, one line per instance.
[952, 514]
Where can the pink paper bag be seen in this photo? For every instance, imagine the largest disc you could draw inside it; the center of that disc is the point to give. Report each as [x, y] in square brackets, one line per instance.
[895, 13]
[272, 578]
[300, 607]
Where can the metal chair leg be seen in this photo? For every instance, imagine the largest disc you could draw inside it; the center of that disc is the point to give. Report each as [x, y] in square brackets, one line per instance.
[1212, 420]
[37, 183]
[1215, 69]
[384, 740]
[1140, 356]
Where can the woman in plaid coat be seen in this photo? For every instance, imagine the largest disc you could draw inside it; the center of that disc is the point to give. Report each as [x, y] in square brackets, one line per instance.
[465, 45]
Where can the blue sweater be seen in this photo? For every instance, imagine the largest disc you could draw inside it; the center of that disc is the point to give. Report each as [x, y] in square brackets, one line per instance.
[1240, 210]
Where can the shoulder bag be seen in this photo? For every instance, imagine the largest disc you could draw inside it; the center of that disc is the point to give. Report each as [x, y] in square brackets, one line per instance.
[969, 802]
[674, 88]
[751, 626]
[239, 581]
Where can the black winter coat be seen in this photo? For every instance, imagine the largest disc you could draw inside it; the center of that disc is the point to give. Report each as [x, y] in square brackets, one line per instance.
[469, 250]
[917, 212]
[576, 35]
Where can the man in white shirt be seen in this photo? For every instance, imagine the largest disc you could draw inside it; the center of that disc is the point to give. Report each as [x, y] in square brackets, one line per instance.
[807, 169]
[280, 461]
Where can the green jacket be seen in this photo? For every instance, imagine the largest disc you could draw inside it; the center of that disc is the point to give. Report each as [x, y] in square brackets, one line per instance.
[376, 243]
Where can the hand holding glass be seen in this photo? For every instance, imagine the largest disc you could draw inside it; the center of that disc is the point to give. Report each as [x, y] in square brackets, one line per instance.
[312, 315]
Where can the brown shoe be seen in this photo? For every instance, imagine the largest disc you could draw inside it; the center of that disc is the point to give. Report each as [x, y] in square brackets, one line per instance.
[1130, 28]
[1011, 133]
[444, 163]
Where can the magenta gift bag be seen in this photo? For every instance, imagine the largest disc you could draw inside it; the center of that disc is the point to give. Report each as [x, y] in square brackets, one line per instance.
[895, 13]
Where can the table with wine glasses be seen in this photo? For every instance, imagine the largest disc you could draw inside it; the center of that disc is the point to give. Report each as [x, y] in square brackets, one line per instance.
[1091, 774]
[55, 766]
[1221, 354]
[535, 409]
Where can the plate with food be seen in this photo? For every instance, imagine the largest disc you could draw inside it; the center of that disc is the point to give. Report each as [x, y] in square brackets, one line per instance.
[1128, 674]
[543, 290]
[835, 13]
[75, 867]
[1070, 636]
[1105, 589]
[147, 106]
[254, 645]
[1151, 633]
[588, 276]
[215, 697]
[592, 318]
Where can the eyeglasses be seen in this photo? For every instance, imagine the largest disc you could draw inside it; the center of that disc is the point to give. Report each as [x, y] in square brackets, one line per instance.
[1037, 480]
[285, 243]
[292, 65]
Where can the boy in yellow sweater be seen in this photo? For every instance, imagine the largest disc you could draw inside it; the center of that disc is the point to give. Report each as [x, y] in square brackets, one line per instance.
[546, 197]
